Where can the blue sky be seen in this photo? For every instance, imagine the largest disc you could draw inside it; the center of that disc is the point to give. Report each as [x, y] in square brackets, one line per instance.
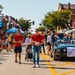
[34, 10]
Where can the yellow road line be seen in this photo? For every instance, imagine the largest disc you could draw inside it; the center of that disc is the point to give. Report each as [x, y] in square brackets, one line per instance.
[49, 65]
[53, 72]
[72, 64]
[68, 72]
[66, 63]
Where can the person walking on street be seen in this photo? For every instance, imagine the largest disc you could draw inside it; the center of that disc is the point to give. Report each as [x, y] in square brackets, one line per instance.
[37, 41]
[18, 45]
[48, 43]
[28, 47]
[42, 46]
[53, 38]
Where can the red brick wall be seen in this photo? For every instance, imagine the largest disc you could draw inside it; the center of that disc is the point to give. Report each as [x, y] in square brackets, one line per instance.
[72, 17]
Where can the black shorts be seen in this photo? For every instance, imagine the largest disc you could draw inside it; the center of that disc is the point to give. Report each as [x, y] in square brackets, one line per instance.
[18, 49]
[48, 43]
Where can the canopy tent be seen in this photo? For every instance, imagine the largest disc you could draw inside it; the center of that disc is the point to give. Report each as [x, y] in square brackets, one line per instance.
[70, 31]
[14, 30]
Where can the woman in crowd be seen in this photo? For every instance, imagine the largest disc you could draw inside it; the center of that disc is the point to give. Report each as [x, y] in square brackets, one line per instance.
[48, 43]
[28, 47]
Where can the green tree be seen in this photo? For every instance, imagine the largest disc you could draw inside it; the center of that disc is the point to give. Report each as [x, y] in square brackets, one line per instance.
[42, 28]
[25, 24]
[63, 17]
[56, 18]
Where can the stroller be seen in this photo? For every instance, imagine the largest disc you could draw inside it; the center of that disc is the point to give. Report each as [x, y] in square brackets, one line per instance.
[28, 52]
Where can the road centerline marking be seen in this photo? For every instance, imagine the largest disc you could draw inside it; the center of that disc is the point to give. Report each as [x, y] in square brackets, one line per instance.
[53, 72]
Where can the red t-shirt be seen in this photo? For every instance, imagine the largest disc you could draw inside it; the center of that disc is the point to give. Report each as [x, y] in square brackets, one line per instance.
[37, 38]
[17, 38]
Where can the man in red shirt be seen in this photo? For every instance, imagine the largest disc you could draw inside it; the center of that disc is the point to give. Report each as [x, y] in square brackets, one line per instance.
[37, 41]
[18, 45]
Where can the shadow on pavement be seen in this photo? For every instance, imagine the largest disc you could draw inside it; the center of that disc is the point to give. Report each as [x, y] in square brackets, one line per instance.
[27, 63]
[68, 60]
[0, 63]
[55, 67]
[45, 61]
[49, 64]
[3, 58]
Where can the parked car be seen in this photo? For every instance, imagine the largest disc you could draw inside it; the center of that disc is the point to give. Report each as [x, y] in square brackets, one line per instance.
[60, 35]
[64, 48]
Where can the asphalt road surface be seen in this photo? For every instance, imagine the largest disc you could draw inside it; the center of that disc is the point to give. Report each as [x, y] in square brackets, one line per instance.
[47, 65]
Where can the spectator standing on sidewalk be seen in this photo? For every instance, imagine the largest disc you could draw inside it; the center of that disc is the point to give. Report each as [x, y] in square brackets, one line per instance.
[37, 41]
[53, 38]
[48, 43]
[10, 42]
[18, 45]
[42, 46]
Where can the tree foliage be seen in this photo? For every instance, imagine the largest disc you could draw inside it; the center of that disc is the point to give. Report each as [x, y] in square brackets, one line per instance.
[25, 24]
[56, 18]
[1, 7]
[42, 28]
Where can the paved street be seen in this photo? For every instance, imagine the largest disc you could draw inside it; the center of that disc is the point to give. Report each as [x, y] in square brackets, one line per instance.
[9, 67]
[45, 24]
[47, 66]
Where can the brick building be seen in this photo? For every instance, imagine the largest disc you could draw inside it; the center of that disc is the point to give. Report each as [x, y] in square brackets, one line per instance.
[70, 7]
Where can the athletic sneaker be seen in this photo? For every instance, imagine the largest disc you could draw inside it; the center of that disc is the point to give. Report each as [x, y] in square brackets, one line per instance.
[34, 66]
[19, 62]
[15, 61]
[38, 65]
